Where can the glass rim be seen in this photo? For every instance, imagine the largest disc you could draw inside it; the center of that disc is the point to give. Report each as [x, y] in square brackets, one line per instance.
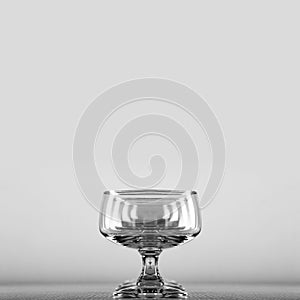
[149, 192]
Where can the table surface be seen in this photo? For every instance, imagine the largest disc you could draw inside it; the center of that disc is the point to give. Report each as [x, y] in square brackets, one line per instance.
[93, 292]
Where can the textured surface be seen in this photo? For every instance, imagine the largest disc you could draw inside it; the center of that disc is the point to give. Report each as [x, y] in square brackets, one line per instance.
[78, 292]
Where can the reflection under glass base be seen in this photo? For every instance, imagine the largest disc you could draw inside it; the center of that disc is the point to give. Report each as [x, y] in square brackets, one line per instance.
[167, 289]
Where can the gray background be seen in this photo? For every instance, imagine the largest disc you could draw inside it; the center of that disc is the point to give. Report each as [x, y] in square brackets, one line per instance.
[241, 56]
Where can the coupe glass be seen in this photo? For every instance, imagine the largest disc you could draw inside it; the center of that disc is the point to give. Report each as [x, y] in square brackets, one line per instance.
[150, 221]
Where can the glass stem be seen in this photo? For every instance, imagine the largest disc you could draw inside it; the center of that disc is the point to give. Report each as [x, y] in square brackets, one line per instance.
[150, 274]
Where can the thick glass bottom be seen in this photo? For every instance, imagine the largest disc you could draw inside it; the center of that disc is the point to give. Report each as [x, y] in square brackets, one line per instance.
[166, 289]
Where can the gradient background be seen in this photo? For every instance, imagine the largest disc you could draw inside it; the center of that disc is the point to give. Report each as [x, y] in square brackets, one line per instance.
[241, 56]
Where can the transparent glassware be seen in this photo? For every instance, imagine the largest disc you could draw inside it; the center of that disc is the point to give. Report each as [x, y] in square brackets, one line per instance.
[150, 221]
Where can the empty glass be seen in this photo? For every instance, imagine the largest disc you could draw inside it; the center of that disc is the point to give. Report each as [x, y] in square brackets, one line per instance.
[150, 221]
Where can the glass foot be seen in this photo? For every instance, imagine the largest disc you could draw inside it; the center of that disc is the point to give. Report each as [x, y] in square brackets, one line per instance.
[169, 289]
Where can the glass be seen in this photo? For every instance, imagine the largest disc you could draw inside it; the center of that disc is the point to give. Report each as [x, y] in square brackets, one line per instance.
[150, 221]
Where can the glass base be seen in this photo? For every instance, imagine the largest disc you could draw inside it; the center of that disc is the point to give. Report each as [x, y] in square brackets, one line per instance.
[168, 289]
